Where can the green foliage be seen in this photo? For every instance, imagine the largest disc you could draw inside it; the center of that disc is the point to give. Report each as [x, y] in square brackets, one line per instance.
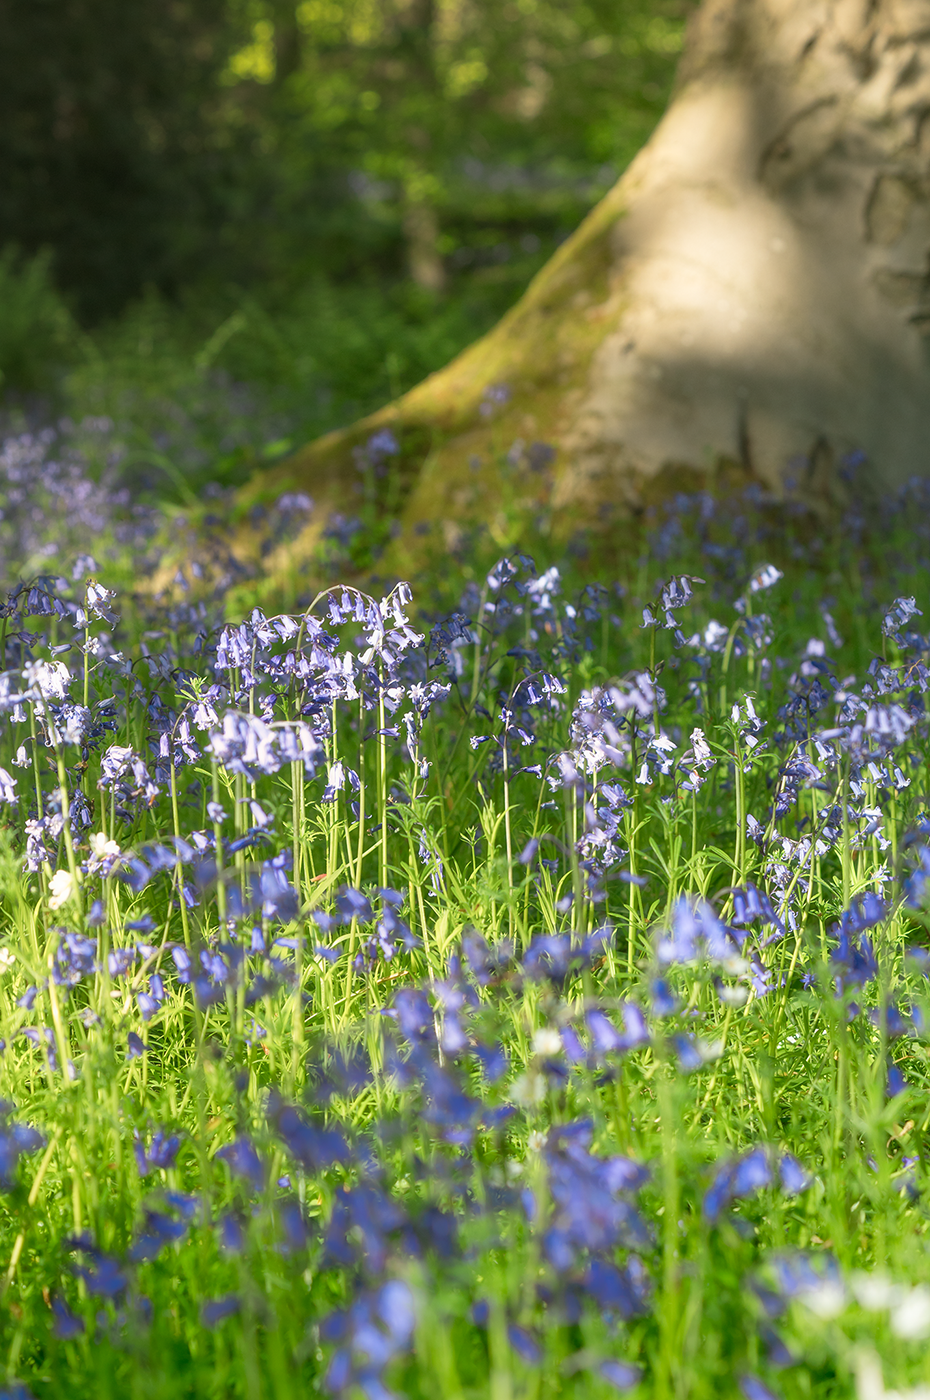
[207, 390]
[463, 125]
[278, 143]
[37, 333]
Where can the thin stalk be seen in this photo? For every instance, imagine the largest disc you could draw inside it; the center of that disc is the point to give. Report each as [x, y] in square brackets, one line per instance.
[382, 778]
[508, 836]
[176, 819]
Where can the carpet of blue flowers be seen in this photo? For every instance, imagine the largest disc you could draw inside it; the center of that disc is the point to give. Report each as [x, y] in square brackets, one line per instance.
[512, 985]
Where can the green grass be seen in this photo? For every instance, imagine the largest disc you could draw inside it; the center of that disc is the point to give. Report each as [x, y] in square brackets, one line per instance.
[446, 1182]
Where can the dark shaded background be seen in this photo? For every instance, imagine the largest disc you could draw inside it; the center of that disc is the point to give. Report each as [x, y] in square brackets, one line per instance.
[307, 206]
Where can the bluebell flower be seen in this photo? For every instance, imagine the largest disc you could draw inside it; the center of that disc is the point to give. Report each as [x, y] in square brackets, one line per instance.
[279, 899]
[751, 1172]
[136, 875]
[613, 1289]
[105, 1279]
[622, 1375]
[575, 1052]
[391, 930]
[752, 903]
[777, 1354]
[761, 977]
[149, 1002]
[524, 1344]
[528, 854]
[897, 1023]
[448, 1108]
[75, 958]
[895, 1083]
[433, 863]
[664, 1002]
[623, 1173]
[135, 1046]
[352, 904]
[854, 961]
[372, 1217]
[918, 959]
[797, 1273]
[414, 1014]
[755, 1389]
[43, 1037]
[215, 966]
[294, 1233]
[865, 911]
[481, 1312]
[695, 929]
[160, 1155]
[554, 957]
[207, 992]
[453, 1038]
[915, 885]
[159, 1230]
[906, 1181]
[120, 961]
[771, 1302]
[339, 1375]
[186, 1206]
[745, 1175]
[494, 1060]
[182, 961]
[243, 1161]
[635, 1029]
[794, 1178]
[589, 1212]
[717, 1196]
[231, 1232]
[67, 1325]
[314, 1148]
[437, 1230]
[605, 1038]
[347, 1072]
[218, 1309]
[486, 962]
[15, 1140]
[898, 616]
[887, 726]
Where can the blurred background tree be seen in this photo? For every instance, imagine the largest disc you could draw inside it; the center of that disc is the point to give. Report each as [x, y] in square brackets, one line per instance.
[318, 202]
[465, 131]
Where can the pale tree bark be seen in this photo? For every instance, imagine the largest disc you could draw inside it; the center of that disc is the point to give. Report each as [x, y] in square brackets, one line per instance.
[755, 289]
[421, 230]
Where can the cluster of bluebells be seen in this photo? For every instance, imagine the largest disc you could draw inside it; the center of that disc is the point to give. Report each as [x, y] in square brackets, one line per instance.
[234, 818]
[586, 1213]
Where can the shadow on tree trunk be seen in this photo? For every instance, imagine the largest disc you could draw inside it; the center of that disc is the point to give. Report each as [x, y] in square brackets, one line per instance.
[751, 297]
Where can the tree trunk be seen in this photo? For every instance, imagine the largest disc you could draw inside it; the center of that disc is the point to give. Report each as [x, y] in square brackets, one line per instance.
[421, 229]
[755, 290]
